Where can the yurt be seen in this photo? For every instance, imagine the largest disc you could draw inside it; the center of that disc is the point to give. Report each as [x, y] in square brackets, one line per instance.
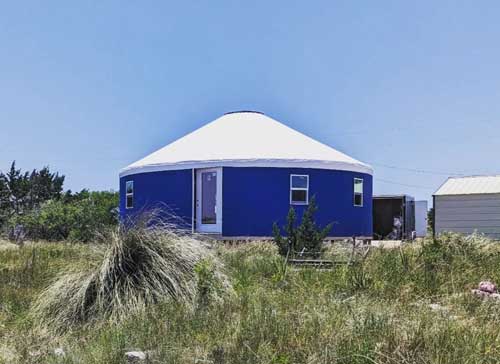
[237, 175]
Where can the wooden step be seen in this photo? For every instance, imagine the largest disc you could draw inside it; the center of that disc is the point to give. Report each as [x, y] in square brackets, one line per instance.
[318, 263]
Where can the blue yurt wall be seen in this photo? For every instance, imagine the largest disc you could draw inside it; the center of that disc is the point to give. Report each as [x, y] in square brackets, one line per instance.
[254, 198]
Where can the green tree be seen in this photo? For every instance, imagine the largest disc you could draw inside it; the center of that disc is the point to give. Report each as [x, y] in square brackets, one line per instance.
[306, 236]
[21, 192]
[44, 186]
[284, 244]
[430, 220]
[308, 233]
[18, 187]
[5, 206]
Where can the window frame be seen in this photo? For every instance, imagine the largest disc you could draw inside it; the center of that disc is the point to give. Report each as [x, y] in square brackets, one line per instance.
[129, 194]
[358, 193]
[299, 189]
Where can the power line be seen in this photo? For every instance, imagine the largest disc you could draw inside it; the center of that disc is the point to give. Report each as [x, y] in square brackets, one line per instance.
[425, 171]
[418, 170]
[403, 184]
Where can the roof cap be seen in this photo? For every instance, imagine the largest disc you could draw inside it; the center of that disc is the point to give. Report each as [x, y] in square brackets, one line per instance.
[244, 111]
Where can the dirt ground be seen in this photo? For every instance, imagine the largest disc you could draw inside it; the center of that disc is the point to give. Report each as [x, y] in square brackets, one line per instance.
[388, 244]
[5, 244]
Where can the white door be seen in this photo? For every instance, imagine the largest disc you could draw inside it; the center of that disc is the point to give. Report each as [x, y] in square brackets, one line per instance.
[209, 200]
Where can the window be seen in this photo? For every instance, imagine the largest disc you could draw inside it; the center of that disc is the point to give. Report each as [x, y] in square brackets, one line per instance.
[129, 194]
[299, 189]
[358, 192]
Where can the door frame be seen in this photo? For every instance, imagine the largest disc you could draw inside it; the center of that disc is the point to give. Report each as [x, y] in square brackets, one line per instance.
[198, 226]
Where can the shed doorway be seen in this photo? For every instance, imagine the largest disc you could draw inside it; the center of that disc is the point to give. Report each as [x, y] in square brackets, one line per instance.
[209, 200]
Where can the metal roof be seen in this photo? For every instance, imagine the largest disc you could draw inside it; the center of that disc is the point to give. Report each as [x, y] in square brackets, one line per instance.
[469, 185]
[393, 196]
[245, 139]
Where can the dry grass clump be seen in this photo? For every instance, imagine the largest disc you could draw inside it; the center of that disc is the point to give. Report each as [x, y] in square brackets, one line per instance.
[143, 265]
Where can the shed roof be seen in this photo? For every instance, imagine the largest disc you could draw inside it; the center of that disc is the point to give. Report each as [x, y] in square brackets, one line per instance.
[248, 139]
[470, 185]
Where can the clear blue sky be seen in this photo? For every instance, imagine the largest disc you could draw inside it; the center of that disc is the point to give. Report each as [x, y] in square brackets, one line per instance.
[89, 87]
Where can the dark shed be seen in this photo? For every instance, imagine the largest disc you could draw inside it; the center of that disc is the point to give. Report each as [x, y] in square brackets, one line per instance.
[393, 217]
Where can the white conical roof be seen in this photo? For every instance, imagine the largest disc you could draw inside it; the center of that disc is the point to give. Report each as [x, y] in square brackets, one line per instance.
[245, 139]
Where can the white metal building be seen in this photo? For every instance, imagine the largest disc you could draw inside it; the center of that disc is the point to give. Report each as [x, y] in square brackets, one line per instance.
[468, 204]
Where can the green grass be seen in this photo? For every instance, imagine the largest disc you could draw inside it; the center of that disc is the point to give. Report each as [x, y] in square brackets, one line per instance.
[377, 312]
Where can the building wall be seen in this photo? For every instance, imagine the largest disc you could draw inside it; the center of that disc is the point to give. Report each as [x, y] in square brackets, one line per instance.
[255, 197]
[170, 191]
[421, 210]
[467, 213]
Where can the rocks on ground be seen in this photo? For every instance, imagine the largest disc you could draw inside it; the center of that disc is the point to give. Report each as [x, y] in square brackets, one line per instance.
[135, 356]
[438, 308]
[59, 352]
[486, 289]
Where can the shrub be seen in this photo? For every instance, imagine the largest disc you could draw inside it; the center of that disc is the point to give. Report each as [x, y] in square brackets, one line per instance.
[252, 263]
[77, 218]
[209, 283]
[306, 236]
[52, 221]
[143, 265]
